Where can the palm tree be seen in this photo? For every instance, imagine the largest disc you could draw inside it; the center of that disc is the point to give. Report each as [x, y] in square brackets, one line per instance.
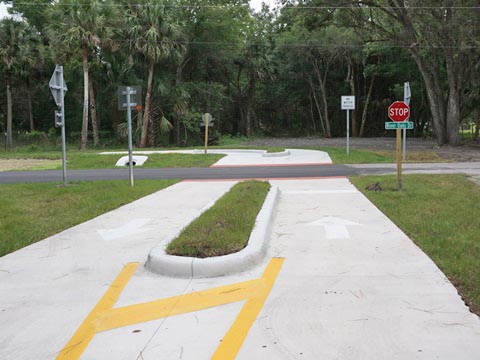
[83, 26]
[154, 35]
[18, 51]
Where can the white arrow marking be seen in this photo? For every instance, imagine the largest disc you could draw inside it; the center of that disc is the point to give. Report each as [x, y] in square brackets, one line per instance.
[130, 228]
[335, 228]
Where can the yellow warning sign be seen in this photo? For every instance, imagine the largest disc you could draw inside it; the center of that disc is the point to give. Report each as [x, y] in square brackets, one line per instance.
[104, 317]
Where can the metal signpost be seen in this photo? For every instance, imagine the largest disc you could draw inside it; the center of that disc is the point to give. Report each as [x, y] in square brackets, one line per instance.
[407, 95]
[348, 103]
[399, 112]
[128, 97]
[59, 88]
[206, 121]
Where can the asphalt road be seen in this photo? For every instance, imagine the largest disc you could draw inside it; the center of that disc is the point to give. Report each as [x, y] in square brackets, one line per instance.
[247, 172]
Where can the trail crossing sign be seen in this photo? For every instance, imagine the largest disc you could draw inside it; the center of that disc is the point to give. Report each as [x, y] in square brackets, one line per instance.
[56, 84]
[399, 111]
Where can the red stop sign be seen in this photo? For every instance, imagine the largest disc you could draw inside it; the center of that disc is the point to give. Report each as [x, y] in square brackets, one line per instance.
[399, 111]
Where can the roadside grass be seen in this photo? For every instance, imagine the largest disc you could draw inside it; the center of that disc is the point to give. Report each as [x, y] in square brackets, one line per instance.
[95, 161]
[339, 156]
[224, 228]
[440, 213]
[32, 212]
[90, 159]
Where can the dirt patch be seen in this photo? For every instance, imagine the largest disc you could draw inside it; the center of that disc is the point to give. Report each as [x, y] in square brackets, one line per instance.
[469, 151]
[28, 164]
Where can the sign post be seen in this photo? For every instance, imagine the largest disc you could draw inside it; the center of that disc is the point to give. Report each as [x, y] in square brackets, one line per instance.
[206, 121]
[59, 88]
[407, 95]
[348, 103]
[398, 112]
[127, 101]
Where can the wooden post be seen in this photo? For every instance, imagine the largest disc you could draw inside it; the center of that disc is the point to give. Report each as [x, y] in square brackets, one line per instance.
[206, 132]
[399, 159]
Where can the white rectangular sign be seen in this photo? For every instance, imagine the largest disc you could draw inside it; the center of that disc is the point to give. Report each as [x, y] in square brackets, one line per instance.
[348, 102]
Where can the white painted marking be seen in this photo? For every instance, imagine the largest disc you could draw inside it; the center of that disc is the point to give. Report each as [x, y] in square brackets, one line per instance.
[320, 192]
[132, 227]
[335, 228]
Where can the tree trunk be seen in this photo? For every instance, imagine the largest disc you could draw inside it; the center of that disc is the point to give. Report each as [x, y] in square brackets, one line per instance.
[250, 104]
[477, 128]
[322, 124]
[365, 107]
[30, 111]
[312, 113]
[83, 145]
[454, 74]
[93, 111]
[9, 115]
[353, 90]
[148, 104]
[323, 97]
[322, 79]
[434, 94]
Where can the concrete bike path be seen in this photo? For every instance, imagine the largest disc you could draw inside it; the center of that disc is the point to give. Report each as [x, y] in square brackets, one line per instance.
[48, 288]
[354, 286]
[351, 286]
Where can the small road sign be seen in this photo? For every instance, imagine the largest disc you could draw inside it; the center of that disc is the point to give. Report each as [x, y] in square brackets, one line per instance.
[399, 125]
[399, 111]
[135, 97]
[205, 120]
[56, 83]
[348, 102]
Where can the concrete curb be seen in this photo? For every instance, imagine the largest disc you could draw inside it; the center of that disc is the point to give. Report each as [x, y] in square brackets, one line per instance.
[277, 154]
[188, 267]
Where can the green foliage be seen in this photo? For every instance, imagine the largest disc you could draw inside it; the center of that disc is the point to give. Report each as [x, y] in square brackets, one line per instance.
[256, 73]
[223, 229]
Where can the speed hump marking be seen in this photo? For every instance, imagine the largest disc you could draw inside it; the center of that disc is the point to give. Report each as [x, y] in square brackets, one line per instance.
[104, 317]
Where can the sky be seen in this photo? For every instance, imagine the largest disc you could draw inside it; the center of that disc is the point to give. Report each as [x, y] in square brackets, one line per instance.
[3, 10]
[256, 4]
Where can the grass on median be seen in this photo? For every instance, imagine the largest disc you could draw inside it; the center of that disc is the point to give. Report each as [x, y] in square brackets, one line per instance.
[224, 228]
[441, 214]
[31, 212]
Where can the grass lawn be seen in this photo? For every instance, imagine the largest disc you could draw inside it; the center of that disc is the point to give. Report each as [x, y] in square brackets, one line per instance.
[90, 159]
[32, 212]
[441, 213]
[224, 228]
[339, 156]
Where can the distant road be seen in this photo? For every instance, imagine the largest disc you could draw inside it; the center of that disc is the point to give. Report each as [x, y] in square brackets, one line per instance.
[248, 172]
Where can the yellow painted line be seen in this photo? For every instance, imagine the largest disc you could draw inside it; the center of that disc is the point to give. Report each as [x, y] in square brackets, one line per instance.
[86, 331]
[234, 338]
[181, 304]
[104, 317]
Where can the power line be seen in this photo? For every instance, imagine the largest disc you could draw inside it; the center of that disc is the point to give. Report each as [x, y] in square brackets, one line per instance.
[306, 7]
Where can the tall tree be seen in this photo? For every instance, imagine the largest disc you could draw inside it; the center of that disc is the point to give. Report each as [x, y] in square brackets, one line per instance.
[440, 41]
[19, 50]
[80, 26]
[153, 34]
